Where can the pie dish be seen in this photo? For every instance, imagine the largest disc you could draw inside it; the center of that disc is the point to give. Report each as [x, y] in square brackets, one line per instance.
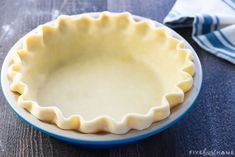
[109, 73]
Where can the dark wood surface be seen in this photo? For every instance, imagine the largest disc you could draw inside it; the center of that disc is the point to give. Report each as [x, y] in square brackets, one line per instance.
[210, 125]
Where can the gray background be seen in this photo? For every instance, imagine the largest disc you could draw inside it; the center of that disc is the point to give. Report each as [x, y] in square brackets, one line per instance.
[210, 125]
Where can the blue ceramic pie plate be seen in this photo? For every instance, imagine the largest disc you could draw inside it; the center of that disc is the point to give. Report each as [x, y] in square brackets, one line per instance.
[107, 139]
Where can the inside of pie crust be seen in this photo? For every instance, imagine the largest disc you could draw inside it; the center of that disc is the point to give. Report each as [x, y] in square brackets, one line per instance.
[110, 70]
[106, 86]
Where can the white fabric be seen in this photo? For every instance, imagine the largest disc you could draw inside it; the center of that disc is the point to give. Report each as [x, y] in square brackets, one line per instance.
[213, 23]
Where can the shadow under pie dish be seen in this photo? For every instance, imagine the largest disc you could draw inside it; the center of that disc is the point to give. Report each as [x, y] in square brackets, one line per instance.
[109, 73]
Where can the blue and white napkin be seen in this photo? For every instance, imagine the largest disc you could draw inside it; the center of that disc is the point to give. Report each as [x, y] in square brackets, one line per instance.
[212, 22]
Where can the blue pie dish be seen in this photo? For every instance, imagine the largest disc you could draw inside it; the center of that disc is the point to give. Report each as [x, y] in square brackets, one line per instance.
[104, 140]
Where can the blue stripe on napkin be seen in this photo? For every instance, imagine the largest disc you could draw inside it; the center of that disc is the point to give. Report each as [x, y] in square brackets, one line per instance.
[230, 3]
[204, 33]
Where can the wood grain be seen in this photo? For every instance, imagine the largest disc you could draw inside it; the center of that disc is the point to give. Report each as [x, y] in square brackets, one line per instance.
[210, 125]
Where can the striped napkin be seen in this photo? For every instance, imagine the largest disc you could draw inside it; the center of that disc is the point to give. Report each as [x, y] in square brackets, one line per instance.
[212, 22]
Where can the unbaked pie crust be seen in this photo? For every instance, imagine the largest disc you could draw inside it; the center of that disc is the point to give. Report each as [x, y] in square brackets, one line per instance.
[109, 73]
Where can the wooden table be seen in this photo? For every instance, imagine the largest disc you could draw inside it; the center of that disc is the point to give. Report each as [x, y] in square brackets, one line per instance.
[210, 125]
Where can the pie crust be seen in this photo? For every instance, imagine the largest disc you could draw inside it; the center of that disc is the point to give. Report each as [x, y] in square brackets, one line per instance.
[109, 73]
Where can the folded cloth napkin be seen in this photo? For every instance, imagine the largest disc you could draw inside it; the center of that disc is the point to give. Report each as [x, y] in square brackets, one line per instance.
[212, 22]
